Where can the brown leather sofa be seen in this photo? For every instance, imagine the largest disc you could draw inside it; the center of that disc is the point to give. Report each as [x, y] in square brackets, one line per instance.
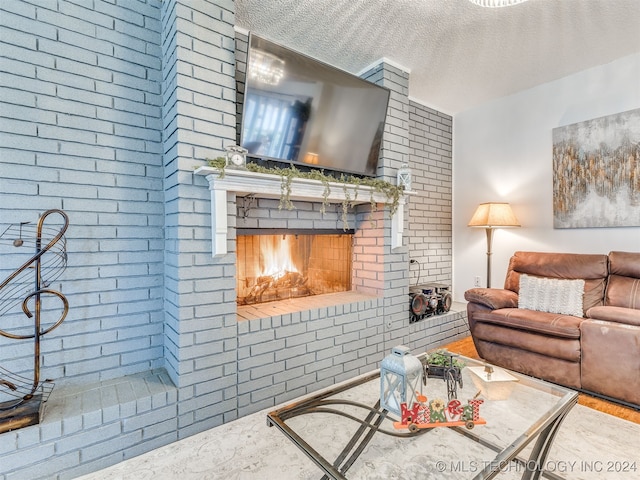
[598, 352]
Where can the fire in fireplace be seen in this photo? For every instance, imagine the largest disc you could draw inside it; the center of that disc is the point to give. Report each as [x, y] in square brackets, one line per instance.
[278, 265]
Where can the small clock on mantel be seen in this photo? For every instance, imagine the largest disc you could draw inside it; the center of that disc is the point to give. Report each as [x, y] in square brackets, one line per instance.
[236, 157]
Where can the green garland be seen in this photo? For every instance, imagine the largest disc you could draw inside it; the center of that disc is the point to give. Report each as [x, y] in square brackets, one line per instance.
[392, 193]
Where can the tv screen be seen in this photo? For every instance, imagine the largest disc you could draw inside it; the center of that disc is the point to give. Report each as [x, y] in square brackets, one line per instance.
[300, 110]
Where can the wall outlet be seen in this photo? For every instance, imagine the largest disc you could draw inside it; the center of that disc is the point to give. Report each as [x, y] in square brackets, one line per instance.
[476, 281]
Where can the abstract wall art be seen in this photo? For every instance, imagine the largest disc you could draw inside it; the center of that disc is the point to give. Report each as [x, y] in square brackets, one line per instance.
[596, 172]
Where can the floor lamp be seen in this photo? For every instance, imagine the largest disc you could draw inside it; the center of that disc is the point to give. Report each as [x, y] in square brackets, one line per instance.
[490, 216]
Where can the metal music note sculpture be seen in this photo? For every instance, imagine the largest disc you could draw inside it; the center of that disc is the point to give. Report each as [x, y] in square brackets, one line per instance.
[43, 246]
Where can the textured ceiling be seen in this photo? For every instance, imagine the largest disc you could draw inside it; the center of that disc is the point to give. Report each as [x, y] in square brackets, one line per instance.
[459, 55]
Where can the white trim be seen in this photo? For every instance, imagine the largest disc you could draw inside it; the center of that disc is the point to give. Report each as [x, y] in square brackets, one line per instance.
[241, 30]
[385, 60]
[266, 185]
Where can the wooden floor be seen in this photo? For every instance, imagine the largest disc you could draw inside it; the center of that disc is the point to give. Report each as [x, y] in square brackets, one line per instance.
[465, 347]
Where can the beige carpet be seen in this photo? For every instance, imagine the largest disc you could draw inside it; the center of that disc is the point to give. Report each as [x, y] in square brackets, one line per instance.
[590, 446]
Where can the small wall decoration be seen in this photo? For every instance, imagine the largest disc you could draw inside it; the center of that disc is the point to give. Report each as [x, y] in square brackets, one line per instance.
[596, 172]
[31, 286]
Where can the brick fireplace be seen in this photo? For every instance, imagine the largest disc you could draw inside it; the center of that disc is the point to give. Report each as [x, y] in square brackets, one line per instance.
[294, 346]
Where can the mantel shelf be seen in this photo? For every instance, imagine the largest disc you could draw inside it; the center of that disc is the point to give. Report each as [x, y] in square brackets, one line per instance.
[266, 185]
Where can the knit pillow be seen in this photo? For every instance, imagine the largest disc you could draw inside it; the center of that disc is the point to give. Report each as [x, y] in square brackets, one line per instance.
[551, 295]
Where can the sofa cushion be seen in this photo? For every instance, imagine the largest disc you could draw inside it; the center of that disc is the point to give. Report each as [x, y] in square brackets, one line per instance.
[566, 349]
[626, 264]
[592, 268]
[627, 316]
[551, 295]
[558, 325]
[530, 363]
[623, 286]
[623, 292]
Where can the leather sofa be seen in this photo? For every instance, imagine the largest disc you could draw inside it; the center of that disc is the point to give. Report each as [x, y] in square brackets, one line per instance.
[598, 352]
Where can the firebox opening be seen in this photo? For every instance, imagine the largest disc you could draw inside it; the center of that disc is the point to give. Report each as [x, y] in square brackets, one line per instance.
[286, 264]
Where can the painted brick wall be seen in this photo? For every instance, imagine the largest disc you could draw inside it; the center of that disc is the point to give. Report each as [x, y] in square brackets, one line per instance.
[81, 131]
[282, 357]
[394, 153]
[199, 109]
[429, 233]
[109, 108]
[395, 143]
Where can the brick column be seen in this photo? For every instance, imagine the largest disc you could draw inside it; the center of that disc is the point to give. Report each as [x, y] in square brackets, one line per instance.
[395, 152]
[199, 121]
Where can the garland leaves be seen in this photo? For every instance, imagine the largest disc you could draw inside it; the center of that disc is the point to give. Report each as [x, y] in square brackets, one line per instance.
[392, 193]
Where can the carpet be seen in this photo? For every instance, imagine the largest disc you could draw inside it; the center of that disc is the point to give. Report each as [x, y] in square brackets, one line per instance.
[590, 445]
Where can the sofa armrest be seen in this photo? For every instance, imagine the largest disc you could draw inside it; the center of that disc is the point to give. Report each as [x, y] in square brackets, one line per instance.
[493, 298]
[609, 363]
[627, 316]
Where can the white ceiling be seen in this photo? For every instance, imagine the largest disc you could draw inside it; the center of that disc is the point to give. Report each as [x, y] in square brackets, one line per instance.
[459, 55]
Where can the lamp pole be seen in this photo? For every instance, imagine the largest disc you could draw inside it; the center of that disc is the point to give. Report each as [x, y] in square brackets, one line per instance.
[489, 231]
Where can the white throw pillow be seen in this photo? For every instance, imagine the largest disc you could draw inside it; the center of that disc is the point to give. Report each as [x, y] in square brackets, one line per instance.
[551, 295]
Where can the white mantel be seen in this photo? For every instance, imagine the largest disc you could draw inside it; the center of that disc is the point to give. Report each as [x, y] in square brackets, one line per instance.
[265, 185]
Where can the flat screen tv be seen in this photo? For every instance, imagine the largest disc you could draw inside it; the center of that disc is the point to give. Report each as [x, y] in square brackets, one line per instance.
[302, 111]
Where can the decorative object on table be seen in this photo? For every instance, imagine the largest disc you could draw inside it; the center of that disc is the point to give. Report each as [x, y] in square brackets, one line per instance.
[23, 399]
[437, 413]
[404, 177]
[400, 377]
[427, 300]
[596, 172]
[445, 365]
[490, 216]
[236, 157]
[422, 413]
[494, 383]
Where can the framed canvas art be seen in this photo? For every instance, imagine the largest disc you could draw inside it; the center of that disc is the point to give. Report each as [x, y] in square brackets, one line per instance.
[596, 172]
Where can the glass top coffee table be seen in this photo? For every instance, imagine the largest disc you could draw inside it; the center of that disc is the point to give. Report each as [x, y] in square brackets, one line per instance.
[346, 433]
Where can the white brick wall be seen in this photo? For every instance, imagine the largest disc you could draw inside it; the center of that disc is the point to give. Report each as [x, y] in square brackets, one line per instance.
[104, 111]
[80, 126]
[429, 233]
[199, 121]
[80, 108]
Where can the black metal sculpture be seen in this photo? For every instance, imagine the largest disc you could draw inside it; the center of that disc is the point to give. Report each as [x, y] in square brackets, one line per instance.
[44, 247]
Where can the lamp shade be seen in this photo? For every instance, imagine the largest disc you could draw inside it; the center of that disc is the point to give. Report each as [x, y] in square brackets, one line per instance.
[490, 215]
